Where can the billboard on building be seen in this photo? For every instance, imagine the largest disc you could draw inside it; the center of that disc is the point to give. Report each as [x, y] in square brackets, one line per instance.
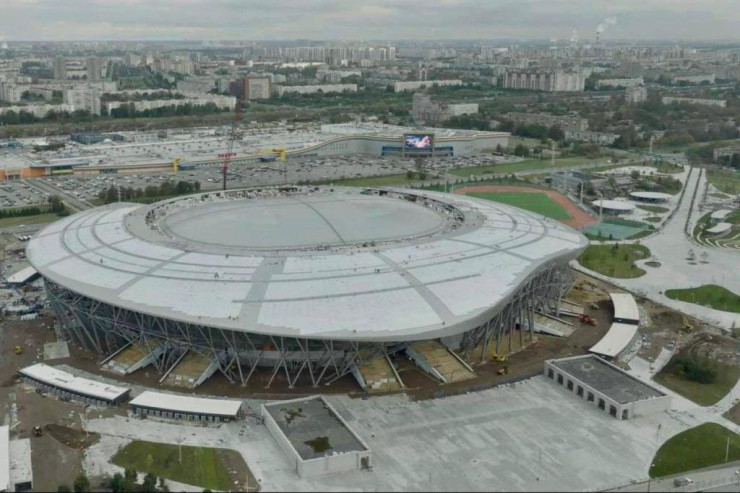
[418, 141]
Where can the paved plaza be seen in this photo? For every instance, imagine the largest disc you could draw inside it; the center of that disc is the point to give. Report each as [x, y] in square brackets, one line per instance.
[532, 435]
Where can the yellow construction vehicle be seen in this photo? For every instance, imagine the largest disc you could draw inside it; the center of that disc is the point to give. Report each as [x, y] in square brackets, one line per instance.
[18, 350]
[687, 325]
[279, 152]
[503, 371]
[176, 164]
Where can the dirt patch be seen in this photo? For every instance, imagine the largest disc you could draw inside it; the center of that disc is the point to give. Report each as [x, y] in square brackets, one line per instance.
[71, 437]
[734, 414]
[580, 219]
[239, 474]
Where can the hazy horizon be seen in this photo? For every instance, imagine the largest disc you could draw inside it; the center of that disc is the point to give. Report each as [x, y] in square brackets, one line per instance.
[356, 20]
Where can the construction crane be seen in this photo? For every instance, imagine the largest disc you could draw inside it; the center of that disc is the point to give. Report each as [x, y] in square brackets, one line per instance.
[226, 156]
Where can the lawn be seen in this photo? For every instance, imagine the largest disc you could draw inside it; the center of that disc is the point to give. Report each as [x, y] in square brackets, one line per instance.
[725, 181]
[704, 394]
[656, 209]
[7, 222]
[374, 181]
[535, 202]
[201, 466]
[614, 260]
[699, 447]
[711, 295]
[526, 165]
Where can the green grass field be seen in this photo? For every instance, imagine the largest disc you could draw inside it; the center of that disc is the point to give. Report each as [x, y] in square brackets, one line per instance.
[200, 466]
[614, 260]
[725, 181]
[704, 394]
[699, 447]
[526, 165]
[7, 222]
[535, 202]
[653, 208]
[373, 181]
[711, 295]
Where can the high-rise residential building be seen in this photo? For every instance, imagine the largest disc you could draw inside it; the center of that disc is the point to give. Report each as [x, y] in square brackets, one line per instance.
[257, 88]
[60, 68]
[544, 80]
[635, 94]
[95, 68]
[87, 98]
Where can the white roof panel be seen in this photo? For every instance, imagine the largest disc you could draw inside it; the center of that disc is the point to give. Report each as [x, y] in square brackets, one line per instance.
[625, 306]
[429, 279]
[76, 385]
[186, 404]
[22, 275]
[719, 228]
[616, 340]
[5, 458]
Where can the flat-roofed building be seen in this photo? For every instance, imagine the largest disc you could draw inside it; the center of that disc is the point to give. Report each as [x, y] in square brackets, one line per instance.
[314, 437]
[607, 386]
[257, 88]
[176, 406]
[700, 101]
[70, 387]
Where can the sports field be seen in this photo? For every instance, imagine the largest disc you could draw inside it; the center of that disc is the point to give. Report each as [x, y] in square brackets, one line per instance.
[542, 201]
[535, 202]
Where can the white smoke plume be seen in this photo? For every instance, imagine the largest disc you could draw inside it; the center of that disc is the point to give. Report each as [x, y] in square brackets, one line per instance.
[609, 21]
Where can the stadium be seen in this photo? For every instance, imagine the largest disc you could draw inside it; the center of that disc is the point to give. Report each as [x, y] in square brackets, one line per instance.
[312, 283]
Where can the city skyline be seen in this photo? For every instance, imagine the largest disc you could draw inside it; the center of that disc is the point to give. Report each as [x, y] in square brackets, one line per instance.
[105, 20]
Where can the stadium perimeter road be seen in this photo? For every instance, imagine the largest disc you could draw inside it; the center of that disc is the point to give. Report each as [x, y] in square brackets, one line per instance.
[530, 436]
[726, 478]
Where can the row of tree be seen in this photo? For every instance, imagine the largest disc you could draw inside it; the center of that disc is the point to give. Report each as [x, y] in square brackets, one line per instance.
[55, 205]
[119, 483]
[166, 189]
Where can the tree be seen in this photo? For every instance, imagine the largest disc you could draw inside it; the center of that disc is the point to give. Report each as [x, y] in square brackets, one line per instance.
[81, 484]
[409, 175]
[117, 483]
[521, 150]
[150, 482]
[130, 475]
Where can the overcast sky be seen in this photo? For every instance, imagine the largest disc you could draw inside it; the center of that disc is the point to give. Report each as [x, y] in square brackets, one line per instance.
[366, 19]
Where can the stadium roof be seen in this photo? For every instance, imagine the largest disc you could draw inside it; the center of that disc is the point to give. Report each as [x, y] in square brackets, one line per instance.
[184, 404]
[319, 263]
[71, 383]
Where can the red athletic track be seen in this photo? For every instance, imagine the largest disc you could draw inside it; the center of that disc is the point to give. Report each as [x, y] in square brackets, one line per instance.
[579, 220]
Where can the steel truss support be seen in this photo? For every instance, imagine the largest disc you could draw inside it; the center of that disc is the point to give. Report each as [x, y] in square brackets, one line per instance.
[105, 328]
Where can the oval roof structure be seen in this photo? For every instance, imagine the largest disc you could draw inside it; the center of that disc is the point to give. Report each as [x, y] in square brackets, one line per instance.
[615, 205]
[651, 195]
[377, 265]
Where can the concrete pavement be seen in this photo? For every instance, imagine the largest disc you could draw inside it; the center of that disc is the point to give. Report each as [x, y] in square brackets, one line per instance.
[670, 246]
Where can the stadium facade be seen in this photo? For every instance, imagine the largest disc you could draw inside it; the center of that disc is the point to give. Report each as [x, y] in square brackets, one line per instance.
[307, 282]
